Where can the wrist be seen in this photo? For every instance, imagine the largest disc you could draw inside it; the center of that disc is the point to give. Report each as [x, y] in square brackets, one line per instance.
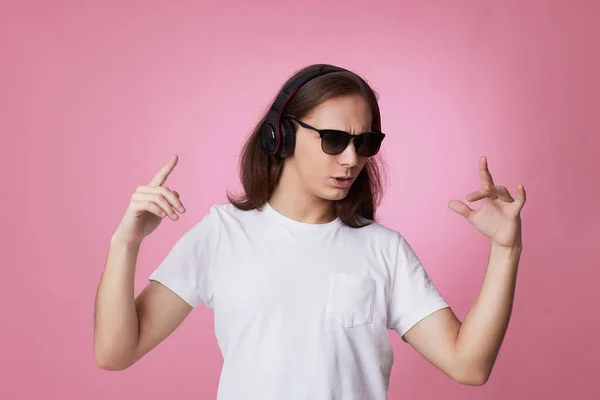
[515, 249]
[115, 240]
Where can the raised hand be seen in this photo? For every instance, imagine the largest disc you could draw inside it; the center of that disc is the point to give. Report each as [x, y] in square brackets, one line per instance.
[499, 217]
[148, 206]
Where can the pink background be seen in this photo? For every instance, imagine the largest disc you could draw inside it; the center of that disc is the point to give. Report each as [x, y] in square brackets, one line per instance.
[96, 96]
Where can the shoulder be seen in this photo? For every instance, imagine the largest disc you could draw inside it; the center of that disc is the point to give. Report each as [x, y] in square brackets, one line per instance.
[378, 232]
[228, 213]
[388, 239]
[208, 230]
[225, 214]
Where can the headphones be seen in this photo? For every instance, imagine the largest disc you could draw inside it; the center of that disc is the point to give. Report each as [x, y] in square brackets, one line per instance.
[277, 134]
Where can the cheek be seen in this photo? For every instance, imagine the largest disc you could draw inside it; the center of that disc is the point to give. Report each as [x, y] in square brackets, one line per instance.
[311, 161]
[361, 163]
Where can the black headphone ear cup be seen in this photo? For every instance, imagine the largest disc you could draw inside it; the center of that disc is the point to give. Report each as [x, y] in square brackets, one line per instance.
[288, 137]
[268, 139]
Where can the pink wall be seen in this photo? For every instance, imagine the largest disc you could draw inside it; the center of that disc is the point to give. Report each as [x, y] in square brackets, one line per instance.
[97, 95]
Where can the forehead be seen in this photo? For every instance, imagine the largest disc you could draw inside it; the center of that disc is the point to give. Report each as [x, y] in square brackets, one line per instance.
[348, 112]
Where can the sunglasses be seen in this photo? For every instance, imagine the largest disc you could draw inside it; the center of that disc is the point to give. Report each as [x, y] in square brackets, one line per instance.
[334, 142]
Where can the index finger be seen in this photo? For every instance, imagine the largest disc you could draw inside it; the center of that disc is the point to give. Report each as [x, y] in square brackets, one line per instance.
[162, 175]
[484, 173]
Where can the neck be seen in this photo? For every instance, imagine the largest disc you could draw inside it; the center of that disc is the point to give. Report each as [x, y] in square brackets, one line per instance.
[290, 198]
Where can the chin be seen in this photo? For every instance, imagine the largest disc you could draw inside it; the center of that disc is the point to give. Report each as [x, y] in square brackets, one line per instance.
[334, 194]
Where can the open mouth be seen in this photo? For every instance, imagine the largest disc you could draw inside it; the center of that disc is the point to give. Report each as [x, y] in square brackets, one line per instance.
[342, 182]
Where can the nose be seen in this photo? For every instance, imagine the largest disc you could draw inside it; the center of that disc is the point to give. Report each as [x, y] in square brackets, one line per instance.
[348, 157]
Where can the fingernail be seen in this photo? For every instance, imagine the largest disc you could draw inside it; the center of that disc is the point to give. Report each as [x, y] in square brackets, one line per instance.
[181, 209]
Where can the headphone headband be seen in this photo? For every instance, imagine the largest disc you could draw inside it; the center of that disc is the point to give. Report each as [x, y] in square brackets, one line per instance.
[271, 135]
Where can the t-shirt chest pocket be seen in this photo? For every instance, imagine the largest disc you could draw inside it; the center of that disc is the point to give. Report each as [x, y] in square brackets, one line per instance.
[350, 299]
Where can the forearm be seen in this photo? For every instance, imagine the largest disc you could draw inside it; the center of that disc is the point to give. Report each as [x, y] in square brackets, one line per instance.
[115, 315]
[482, 332]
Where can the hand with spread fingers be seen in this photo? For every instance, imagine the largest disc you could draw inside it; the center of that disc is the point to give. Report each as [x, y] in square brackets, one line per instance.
[499, 217]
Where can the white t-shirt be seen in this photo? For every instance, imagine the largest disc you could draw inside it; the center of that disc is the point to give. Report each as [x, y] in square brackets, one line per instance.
[301, 311]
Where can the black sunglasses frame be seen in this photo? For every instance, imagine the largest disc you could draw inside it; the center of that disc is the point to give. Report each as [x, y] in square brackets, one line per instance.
[357, 139]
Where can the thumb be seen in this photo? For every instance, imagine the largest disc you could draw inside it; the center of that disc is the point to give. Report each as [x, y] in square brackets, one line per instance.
[460, 208]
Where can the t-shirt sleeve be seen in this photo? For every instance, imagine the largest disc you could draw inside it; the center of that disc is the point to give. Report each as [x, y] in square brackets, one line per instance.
[413, 295]
[187, 268]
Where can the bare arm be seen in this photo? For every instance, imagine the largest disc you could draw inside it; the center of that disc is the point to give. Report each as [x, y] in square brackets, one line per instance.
[126, 328]
[481, 335]
[467, 351]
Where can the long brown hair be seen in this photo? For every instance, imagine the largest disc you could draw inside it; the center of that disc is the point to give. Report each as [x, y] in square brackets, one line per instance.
[260, 172]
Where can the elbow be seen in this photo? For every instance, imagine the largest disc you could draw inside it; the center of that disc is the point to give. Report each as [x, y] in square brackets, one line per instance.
[110, 363]
[479, 379]
[108, 366]
[471, 376]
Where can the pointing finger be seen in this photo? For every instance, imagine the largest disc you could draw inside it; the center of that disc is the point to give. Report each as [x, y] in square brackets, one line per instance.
[162, 175]
[521, 196]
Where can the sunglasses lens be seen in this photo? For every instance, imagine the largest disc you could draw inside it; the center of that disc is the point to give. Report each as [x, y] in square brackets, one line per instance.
[369, 144]
[334, 142]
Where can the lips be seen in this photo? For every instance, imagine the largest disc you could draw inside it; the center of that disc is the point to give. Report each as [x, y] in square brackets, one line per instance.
[342, 181]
